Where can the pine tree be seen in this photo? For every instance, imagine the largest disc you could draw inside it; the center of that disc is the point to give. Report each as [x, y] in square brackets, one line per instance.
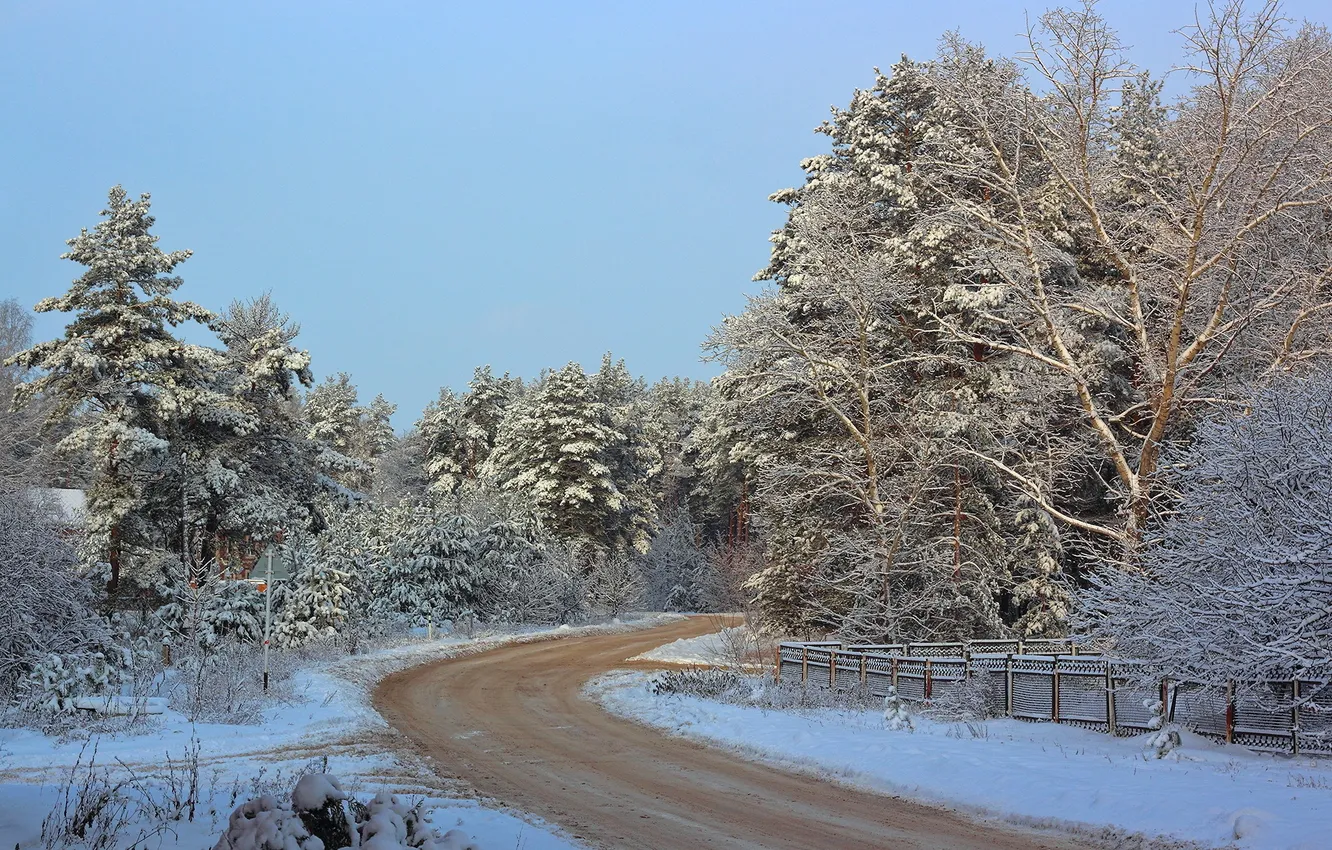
[429, 572]
[335, 422]
[553, 449]
[120, 368]
[443, 445]
[248, 468]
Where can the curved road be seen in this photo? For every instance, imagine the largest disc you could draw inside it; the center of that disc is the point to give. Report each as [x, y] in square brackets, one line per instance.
[511, 722]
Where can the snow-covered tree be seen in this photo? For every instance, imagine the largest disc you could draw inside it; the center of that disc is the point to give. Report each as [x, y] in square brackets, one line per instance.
[318, 600]
[615, 584]
[48, 608]
[429, 572]
[553, 448]
[1139, 258]
[119, 367]
[1232, 581]
[678, 572]
[336, 422]
[248, 468]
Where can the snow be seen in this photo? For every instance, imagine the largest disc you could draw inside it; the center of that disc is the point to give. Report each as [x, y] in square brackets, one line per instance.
[1038, 774]
[313, 790]
[330, 717]
[703, 650]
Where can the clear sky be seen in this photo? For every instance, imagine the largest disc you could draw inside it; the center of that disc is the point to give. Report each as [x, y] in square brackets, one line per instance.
[432, 186]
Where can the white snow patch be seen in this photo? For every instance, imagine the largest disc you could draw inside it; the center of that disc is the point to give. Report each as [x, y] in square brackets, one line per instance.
[706, 650]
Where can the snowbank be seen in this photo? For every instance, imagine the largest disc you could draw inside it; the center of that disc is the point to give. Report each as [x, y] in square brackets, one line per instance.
[703, 650]
[1028, 773]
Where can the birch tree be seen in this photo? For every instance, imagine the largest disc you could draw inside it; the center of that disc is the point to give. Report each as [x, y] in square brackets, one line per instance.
[1143, 257]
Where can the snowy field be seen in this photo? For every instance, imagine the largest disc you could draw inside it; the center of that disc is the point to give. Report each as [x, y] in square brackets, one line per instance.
[330, 717]
[1029, 773]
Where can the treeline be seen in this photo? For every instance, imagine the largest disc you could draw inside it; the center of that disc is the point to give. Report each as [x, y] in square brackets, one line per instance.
[1004, 295]
[541, 501]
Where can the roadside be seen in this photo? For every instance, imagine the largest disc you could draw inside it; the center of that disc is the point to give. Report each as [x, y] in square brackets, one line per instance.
[1113, 790]
[515, 723]
[326, 725]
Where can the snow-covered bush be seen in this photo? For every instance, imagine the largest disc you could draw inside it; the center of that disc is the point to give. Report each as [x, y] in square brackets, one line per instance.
[678, 573]
[321, 816]
[1232, 584]
[966, 701]
[895, 714]
[223, 682]
[48, 607]
[614, 584]
[55, 680]
[206, 613]
[1163, 739]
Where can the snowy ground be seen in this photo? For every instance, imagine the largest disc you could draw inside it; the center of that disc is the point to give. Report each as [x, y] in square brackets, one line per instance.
[703, 650]
[1036, 774]
[330, 717]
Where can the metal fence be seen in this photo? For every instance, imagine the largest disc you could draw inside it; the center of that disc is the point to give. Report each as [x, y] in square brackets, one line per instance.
[1052, 681]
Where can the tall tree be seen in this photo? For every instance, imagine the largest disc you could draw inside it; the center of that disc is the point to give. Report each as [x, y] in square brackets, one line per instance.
[119, 365]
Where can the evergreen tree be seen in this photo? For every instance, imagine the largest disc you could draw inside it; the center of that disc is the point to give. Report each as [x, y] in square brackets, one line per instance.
[429, 572]
[335, 421]
[120, 368]
[553, 449]
[319, 599]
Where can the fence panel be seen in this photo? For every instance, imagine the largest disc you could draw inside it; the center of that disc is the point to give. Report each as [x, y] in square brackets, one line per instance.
[992, 672]
[1315, 730]
[848, 670]
[1082, 698]
[935, 650]
[1201, 708]
[1033, 687]
[879, 673]
[911, 679]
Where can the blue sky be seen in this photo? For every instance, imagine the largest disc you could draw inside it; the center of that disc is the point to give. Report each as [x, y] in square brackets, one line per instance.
[432, 186]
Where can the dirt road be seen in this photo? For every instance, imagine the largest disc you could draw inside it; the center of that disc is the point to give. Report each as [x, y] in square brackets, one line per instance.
[511, 723]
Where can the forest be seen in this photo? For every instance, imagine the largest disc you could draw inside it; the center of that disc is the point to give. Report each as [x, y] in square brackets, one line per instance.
[1040, 350]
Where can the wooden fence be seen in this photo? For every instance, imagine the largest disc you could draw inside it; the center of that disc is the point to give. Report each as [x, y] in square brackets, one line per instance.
[1052, 681]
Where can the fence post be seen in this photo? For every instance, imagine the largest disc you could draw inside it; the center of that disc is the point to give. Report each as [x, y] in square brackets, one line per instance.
[1109, 700]
[1054, 689]
[804, 665]
[832, 670]
[863, 678]
[1295, 717]
[894, 673]
[777, 668]
[1008, 683]
[1230, 712]
[929, 679]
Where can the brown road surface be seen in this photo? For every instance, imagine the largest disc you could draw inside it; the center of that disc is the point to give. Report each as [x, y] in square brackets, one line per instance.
[511, 722]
